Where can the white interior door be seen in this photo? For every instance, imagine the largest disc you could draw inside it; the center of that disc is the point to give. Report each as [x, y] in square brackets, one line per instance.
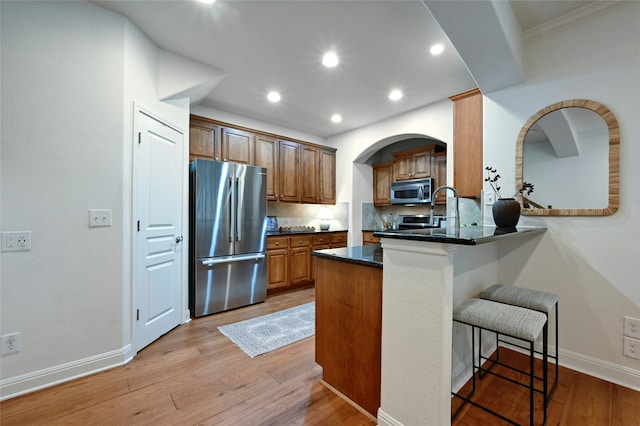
[158, 170]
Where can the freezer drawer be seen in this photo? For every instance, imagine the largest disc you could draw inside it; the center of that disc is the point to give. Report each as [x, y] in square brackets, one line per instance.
[227, 282]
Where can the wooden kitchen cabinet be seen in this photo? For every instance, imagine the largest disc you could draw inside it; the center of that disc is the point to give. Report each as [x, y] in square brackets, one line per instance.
[467, 141]
[327, 173]
[204, 140]
[267, 157]
[321, 242]
[439, 167]
[281, 158]
[300, 261]
[412, 163]
[368, 238]
[310, 179]
[318, 182]
[338, 239]
[297, 171]
[289, 261]
[277, 263]
[289, 171]
[382, 177]
[238, 146]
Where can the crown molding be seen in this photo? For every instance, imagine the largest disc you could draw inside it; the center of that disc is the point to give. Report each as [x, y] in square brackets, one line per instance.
[571, 19]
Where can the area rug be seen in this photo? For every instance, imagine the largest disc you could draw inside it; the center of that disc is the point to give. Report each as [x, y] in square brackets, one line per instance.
[260, 335]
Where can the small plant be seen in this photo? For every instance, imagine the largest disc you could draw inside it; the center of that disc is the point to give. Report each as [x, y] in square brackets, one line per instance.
[493, 177]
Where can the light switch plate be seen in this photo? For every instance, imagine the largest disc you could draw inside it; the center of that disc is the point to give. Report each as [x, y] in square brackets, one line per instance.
[99, 217]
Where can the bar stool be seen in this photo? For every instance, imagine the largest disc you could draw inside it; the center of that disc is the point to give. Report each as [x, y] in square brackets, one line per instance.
[512, 321]
[537, 300]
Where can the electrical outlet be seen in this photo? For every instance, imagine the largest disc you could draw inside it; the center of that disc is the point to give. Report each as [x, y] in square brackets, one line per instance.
[16, 241]
[632, 327]
[631, 347]
[10, 343]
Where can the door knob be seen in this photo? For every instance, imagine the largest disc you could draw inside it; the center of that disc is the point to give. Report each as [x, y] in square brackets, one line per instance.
[178, 239]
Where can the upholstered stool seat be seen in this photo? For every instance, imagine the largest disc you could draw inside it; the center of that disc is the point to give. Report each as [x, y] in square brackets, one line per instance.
[519, 323]
[537, 300]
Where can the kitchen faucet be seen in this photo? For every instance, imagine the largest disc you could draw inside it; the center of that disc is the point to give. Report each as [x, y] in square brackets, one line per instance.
[433, 202]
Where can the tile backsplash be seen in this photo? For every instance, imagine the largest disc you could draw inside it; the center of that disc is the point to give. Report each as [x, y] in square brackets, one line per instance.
[294, 214]
[372, 216]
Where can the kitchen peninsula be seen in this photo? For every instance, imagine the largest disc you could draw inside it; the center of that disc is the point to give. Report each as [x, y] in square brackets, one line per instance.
[349, 323]
[425, 274]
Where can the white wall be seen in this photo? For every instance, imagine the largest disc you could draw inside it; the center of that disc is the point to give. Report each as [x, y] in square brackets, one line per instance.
[355, 147]
[593, 264]
[70, 74]
[61, 155]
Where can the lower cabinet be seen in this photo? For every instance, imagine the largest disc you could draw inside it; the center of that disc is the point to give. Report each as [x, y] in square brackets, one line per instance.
[368, 238]
[289, 261]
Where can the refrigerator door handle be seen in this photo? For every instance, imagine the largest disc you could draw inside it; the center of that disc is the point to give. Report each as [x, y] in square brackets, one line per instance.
[211, 262]
[232, 215]
[239, 207]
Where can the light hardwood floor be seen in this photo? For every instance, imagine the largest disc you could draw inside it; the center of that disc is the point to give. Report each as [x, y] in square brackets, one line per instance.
[196, 376]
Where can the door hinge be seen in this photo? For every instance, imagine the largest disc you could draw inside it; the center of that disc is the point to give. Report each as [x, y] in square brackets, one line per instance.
[139, 138]
[138, 226]
[137, 314]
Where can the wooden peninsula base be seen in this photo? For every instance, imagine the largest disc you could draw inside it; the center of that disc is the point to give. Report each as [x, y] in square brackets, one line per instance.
[349, 324]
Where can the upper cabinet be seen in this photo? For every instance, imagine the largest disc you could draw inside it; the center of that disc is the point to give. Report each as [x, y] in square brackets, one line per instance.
[297, 171]
[237, 146]
[267, 150]
[439, 167]
[416, 163]
[319, 175]
[413, 163]
[289, 159]
[327, 172]
[382, 177]
[310, 178]
[467, 143]
[204, 138]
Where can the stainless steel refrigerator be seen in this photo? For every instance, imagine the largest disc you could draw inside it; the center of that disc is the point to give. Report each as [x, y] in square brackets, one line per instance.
[228, 232]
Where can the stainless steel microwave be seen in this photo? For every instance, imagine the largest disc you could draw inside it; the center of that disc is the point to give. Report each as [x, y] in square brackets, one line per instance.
[415, 191]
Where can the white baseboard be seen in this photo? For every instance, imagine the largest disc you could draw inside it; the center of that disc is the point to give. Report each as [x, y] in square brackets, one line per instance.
[461, 373]
[37, 380]
[614, 373]
[386, 420]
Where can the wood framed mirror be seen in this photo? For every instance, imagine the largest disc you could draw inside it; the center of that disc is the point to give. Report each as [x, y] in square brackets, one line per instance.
[570, 152]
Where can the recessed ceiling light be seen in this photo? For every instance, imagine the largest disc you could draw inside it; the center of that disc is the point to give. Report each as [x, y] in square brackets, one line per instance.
[330, 60]
[207, 1]
[437, 49]
[395, 95]
[336, 118]
[273, 96]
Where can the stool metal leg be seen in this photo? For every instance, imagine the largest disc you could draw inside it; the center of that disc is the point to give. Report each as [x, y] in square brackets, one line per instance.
[545, 374]
[531, 382]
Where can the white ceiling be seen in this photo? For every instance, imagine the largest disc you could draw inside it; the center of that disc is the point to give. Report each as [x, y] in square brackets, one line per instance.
[268, 45]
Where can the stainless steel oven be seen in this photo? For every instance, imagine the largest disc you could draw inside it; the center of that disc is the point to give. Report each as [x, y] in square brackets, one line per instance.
[415, 191]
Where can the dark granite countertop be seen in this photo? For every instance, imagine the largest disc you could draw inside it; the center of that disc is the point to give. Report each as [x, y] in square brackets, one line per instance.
[465, 235]
[317, 231]
[369, 255]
